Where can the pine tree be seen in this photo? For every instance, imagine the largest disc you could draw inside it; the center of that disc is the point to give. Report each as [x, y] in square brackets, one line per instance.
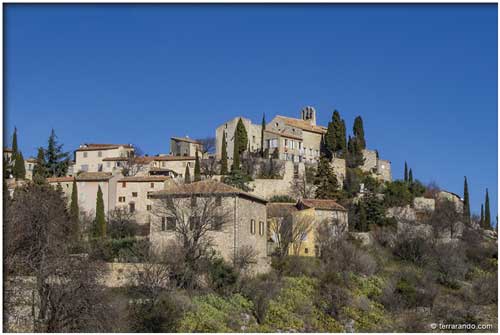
[74, 211]
[410, 176]
[39, 171]
[14, 142]
[197, 172]
[406, 172]
[326, 181]
[187, 175]
[19, 168]
[359, 132]
[487, 215]
[100, 220]
[223, 161]
[481, 220]
[263, 129]
[466, 202]
[56, 160]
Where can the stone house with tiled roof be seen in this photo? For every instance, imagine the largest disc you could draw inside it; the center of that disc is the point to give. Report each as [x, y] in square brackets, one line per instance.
[165, 165]
[90, 157]
[244, 224]
[314, 211]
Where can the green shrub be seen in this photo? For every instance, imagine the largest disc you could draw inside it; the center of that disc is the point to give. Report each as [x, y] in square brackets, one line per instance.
[282, 198]
[221, 276]
[397, 194]
[407, 291]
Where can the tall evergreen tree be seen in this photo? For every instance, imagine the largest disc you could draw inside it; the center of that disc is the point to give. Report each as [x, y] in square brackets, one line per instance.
[327, 185]
[56, 159]
[74, 211]
[406, 172]
[487, 215]
[39, 170]
[343, 139]
[335, 137]
[466, 202]
[410, 176]
[481, 220]
[223, 161]
[187, 175]
[263, 129]
[19, 168]
[240, 137]
[359, 132]
[363, 219]
[236, 150]
[354, 153]
[100, 219]
[14, 142]
[197, 172]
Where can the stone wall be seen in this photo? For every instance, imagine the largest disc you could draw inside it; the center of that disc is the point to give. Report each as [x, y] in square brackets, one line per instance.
[339, 168]
[370, 164]
[19, 304]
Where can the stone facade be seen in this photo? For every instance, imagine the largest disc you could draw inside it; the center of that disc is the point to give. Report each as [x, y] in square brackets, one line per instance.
[379, 168]
[244, 227]
[254, 133]
[90, 157]
[185, 146]
[339, 168]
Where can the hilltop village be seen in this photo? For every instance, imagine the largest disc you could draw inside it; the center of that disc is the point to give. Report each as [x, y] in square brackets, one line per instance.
[250, 201]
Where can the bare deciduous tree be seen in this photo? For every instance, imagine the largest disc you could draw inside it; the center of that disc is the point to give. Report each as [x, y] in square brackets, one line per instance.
[301, 188]
[289, 232]
[245, 257]
[131, 166]
[208, 144]
[192, 217]
[121, 223]
[209, 167]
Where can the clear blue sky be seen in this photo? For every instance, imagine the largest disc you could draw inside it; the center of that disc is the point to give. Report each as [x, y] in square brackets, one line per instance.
[423, 77]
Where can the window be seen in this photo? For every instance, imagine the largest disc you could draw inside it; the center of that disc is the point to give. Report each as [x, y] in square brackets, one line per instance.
[217, 223]
[148, 207]
[163, 164]
[253, 139]
[152, 185]
[132, 207]
[218, 201]
[99, 154]
[276, 124]
[252, 227]
[163, 224]
[286, 142]
[261, 228]
[193, 201]
[306, 250]
[121, 199]
[134, 194]
[85, 155]
[194, 222]
[124, 184]
[99, 167]
[171, 223]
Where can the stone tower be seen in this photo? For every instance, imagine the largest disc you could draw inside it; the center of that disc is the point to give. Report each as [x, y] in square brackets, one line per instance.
[309, 114]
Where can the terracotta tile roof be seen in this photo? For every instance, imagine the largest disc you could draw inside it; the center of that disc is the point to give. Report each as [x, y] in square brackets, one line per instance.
[325, 204]
[113, 159]
[204, 187]
[283, 134]
[185, 139]
[144, 179]
[304, 125]
[93, 176]
[59, 179]
[31, 160]
[7, 150]
[99, 146]
[280, 209]
[166, 158]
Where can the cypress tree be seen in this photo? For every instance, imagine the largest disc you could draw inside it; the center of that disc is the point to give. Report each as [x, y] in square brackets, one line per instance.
[223, 161]
[487, 215]
[240, 137]
[19, 168]
[406, 172]
[481, 220]
[343, 140]
[354, 153]
[263, 128]
[39, 171]
[466, 202]
[335, 137]
[359, 132]
[327, 185]
[197, 172]
[14, 142]
[187, 175]
[410, 177]
[100, 220]
[73, 208]
[236, 147]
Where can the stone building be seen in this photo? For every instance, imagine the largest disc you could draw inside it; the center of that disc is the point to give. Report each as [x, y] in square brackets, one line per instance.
[243, 224]
[185, 146]
[166, 165]
[308, 211]
[380, 168]
[296, 140]
[133, 194]
[29, 165]
[89, 157]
